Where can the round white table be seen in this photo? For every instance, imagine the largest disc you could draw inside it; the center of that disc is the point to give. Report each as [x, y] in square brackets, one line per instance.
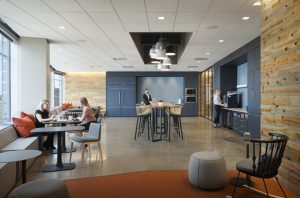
[19, 155]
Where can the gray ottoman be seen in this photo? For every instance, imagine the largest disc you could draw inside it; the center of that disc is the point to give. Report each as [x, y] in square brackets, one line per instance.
[207, 170]
[46, 188]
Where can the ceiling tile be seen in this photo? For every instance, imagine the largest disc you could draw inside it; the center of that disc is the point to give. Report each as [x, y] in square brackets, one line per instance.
[133, 18]
[64, 5]
[97, 5]
[226, 6]
[194, 6]
[32, 6]
[129, 6]
[161, 6]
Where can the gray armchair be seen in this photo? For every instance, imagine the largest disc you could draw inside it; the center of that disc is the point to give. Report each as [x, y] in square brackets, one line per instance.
[92, 137]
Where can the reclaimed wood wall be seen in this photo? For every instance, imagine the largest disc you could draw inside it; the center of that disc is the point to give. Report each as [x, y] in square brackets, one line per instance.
[280, 81]
[91, 85]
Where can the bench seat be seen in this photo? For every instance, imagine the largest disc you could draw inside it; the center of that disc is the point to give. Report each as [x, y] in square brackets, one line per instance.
[9, 140]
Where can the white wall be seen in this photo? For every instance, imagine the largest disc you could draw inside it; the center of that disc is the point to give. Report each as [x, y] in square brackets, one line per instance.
[30, 75]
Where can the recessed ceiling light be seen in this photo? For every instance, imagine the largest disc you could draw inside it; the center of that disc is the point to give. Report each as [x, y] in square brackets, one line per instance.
[119, 59]
[128, 66]
[207, 53]
[245, 18]
[81, 41]
[221, 41]
[212, 27]
[161, 18]
[155, 62]
[257, 3]
[193, 67]
[61, 27]
[200, 59]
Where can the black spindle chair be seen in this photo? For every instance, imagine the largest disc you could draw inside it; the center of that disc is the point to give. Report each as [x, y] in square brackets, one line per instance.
[264, 161]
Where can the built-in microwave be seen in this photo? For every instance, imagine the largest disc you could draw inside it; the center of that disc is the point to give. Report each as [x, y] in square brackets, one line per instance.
[191, 99]
[190, 91]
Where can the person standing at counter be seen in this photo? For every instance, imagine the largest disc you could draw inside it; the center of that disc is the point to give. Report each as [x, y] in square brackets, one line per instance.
[147, 97]
[217, 107]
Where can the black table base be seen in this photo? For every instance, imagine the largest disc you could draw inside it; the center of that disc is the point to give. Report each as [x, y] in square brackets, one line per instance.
[67, 150]
[53, 167]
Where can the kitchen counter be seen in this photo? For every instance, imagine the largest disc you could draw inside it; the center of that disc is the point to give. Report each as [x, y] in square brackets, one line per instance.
[241, 110]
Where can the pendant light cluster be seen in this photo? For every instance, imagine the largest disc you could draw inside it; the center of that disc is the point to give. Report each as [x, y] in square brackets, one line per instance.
[161, 52]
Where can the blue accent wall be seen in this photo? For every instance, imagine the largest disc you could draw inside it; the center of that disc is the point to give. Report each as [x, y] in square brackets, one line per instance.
[161, 88]
[190, 80]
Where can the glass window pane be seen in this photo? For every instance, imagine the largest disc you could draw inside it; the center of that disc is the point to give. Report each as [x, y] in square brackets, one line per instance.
[4, 80]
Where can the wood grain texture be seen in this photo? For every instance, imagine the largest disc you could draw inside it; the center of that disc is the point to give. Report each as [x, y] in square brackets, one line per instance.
[91, 85]
[280, 80]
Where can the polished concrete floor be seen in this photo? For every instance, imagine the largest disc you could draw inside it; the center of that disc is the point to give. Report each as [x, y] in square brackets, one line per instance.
[121, 153]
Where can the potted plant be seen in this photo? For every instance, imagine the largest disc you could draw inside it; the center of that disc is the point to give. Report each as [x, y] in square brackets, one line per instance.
[160, 102]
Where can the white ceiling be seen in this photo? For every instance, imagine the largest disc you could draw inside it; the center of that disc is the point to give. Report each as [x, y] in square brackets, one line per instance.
[96, 31]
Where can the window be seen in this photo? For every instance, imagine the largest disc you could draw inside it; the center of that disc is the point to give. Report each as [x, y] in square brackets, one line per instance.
[4, 79]
[57, 88]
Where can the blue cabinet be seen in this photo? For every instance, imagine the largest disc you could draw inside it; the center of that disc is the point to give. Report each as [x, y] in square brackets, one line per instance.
[254, 125]
[120, 95]
[120, 100]
[254, 93]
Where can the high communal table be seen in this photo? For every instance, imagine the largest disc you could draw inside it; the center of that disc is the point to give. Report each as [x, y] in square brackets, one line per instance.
[161, 107]
[59, 166]
[19, 155]
[62, 122]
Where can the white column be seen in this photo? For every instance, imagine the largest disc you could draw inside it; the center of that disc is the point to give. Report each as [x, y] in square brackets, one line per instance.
[30, 75]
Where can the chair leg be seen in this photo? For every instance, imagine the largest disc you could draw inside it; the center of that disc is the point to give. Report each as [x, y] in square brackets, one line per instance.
[136, 127]
[249, 180]
[140, 126]
[71, 151]
[100, 150]
[148, 123]
[266, 187]
[89, 147]
[237, 180]
[82, 154]
[180, 128]
[280, 186]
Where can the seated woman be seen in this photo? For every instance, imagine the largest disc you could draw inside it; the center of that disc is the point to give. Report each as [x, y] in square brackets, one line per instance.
[41, 115]
[88, 115]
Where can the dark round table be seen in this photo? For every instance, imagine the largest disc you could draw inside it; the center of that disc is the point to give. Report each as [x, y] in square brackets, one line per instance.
[241, 181]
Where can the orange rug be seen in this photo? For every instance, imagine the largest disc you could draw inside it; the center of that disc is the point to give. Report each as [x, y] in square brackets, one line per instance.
[158, 184]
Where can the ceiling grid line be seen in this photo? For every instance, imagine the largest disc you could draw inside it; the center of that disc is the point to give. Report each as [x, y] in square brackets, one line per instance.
[84, 33]
[175, 15]
[40, 22]
[193, 35]
[76, 27]
[46, 24]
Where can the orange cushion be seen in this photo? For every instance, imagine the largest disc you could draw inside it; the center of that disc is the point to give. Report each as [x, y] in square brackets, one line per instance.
[23, 114]
[23, 126]
[66, 105]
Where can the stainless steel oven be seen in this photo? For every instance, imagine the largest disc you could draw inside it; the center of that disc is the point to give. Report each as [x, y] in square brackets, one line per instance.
[191, 99]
